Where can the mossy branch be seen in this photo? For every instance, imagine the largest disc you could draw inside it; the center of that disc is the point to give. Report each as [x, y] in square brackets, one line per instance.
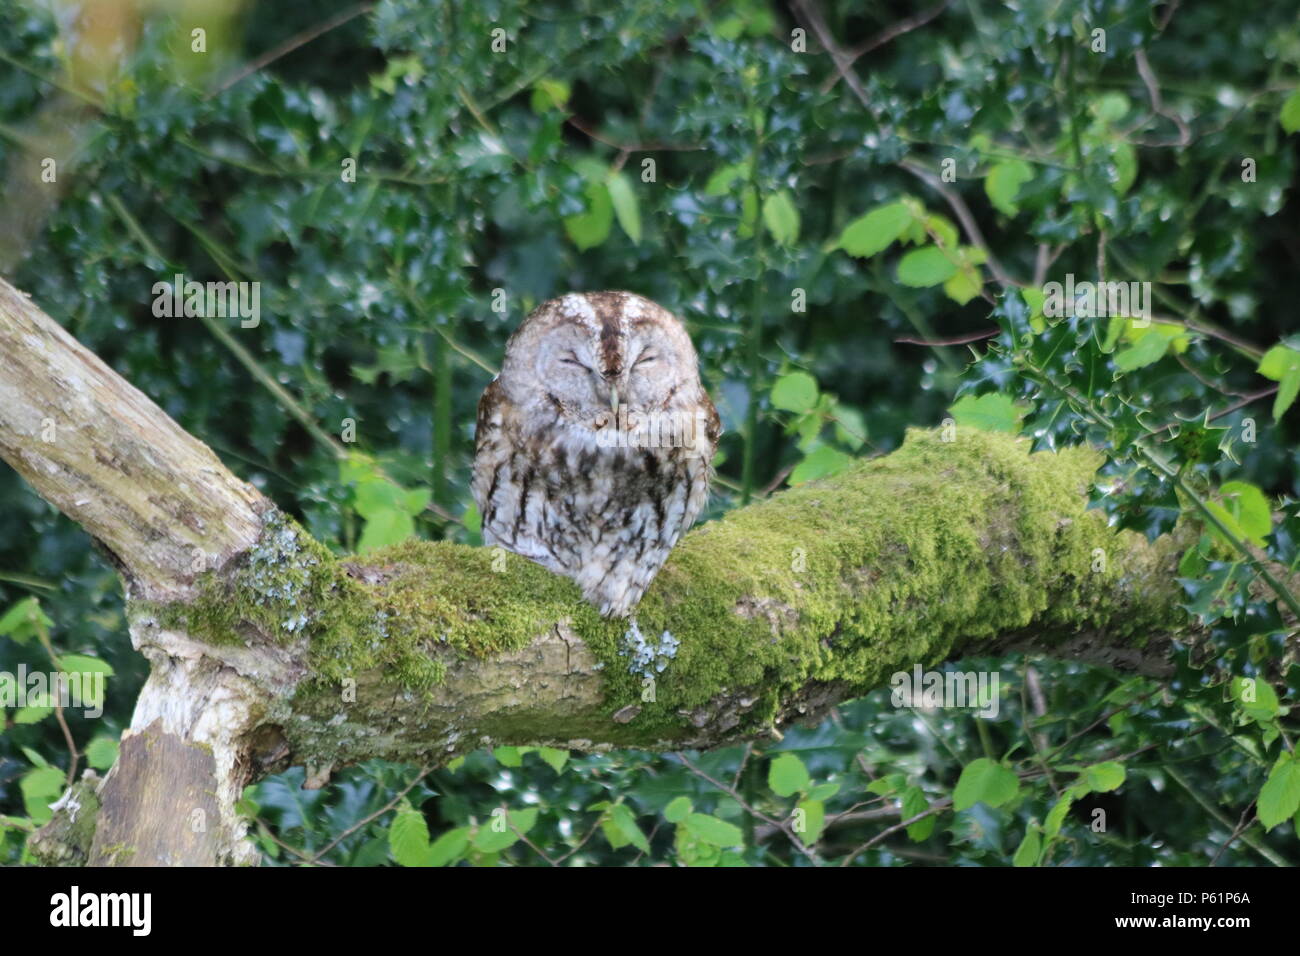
[766, 616]
[769, 615]
[281, 652]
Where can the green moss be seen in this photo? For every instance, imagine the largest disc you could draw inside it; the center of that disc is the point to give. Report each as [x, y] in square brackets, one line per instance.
[909, 558]
[275, 589]
[422, 597]
[119, 854]
[400, 610]
[66, 840]
[904, 559]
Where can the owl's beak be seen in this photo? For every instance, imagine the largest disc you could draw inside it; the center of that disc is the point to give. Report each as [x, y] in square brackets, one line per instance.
[611, 377]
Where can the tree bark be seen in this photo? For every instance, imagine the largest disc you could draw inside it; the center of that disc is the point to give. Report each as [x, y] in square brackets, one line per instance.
[267, 650]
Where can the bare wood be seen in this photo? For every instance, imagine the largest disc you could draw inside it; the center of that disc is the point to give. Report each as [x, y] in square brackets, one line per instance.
[101, 452]
[165, 783]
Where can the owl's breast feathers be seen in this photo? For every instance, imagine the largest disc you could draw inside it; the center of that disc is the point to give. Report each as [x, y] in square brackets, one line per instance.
[599, 508]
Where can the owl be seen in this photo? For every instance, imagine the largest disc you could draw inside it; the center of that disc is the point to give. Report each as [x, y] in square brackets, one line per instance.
[594, 444]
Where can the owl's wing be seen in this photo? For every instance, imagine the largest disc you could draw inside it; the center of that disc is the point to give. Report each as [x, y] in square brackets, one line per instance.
[489, 445]
[508, 500]
[697, 470]
[712, 424]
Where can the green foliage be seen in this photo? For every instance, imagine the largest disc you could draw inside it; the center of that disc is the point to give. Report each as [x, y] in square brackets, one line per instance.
[788, 776]
[984, 781]
[874, 231]
[927, 266]
[795, 392]
[1003, 184]
[992, 412]
[24, 620]
[1290, 114]
[1282, 364]
[1280, 798]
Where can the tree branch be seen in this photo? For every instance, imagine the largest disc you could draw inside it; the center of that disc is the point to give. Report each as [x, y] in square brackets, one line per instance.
[277, 652]
[161, 503]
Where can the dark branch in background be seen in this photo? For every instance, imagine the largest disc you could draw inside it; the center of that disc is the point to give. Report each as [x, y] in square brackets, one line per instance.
[1157, 103]
[959, 340]
[811, 14]
[906, 25]
[291, 44]
[591, 132]
[964, 216]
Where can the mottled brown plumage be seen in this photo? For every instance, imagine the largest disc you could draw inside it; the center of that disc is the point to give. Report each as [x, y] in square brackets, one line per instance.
[594, 444]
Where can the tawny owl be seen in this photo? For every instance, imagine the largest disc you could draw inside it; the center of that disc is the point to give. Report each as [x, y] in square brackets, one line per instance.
[594, 443]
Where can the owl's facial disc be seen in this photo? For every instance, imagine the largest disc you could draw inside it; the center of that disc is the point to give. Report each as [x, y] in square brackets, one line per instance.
[568, 371]
[599, 370]
[659, 373]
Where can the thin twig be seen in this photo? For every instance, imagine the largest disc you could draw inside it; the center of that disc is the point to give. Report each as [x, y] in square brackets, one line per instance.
[1157, 103]
[424, 772]
[964, 216]
[1246, 400]
[1195, 793]
[843, 63]
[527, 842]
[775, 483]
[1242, 822]
[592, 133]
[906, 25]
[959, 340]
[578, 846]
[901, 825]
[301, 854]
[291, 44]
[734, 793]
[73, 757]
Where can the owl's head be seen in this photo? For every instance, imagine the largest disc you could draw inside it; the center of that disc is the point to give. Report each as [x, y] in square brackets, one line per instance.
[585, 353]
